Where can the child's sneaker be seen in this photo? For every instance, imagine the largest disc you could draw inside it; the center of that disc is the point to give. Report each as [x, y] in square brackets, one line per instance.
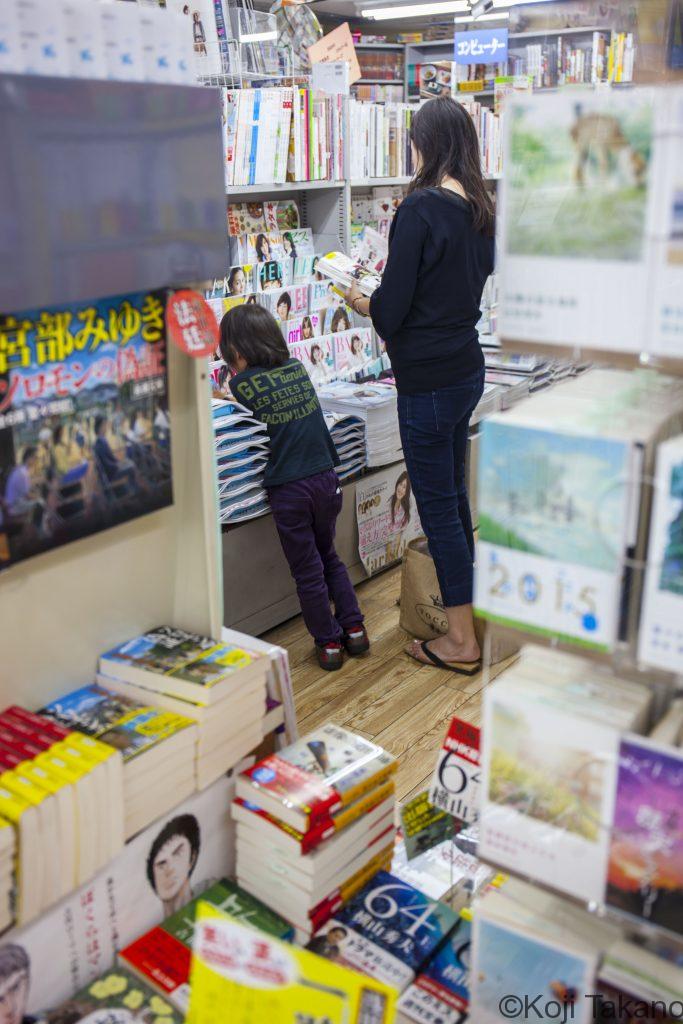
[330, 656]
[356, 641]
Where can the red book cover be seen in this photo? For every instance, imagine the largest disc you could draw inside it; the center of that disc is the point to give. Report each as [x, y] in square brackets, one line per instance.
[294, 786]
[26, 733]
[9, 759]
[26, 750]
[37, 722]
[308, 841]
[160, 958]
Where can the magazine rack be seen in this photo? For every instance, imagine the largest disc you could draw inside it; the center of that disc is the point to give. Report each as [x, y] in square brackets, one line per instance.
[61, 609]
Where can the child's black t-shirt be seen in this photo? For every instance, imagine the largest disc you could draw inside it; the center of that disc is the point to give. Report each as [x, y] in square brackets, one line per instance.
[285, 400]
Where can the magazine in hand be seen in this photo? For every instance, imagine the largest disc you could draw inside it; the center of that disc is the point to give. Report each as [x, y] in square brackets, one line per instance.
[343, 270]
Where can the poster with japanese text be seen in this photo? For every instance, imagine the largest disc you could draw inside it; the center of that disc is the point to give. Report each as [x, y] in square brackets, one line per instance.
[77, 940]
[84, 421]
[387, 517]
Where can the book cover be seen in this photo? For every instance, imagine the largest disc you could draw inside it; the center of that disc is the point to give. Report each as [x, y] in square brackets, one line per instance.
[302, 329]
[162, 955]
[441, 990]
[548, 785]
[270, 276]
[232, 965]
[388, 930]
[513, 966]
[645, 869]
[264, 246]
[168, 651]
[553, 515]
[439, 872]
[124, 724]
[424, 825]
[316, 356]
[116, 996]
[68, 466]
[320, 773]
[456, 783]
[353, 352]
[660, 638]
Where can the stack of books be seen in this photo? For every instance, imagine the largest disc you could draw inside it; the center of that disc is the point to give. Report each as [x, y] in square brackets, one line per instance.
[62, 793]
[161, 957]
[242, 450]
[348, 435]
[314, 823]
[375, 404]
[219, 687]
[389, 930]
[157, 746]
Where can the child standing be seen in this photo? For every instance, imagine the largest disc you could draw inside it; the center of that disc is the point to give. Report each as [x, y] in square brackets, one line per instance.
[303, 488]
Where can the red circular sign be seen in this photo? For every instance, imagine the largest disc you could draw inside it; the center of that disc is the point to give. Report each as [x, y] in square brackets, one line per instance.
[191, 325]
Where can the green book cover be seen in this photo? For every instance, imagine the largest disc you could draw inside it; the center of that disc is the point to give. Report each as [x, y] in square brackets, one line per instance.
[228, 897]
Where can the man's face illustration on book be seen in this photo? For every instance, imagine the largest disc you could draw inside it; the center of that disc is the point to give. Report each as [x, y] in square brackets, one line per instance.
[172, 866]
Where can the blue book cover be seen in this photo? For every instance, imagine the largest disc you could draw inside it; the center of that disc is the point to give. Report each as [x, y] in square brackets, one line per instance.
[388, 930]
[441, 991]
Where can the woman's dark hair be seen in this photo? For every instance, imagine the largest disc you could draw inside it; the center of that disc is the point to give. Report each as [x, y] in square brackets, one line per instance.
[288, 236]
[318, 348]
[184, 825]
[405, 500]
[339, 315]
[444, 135]
[232, 275]
[253, 333]
[260, 240]
[287, 299]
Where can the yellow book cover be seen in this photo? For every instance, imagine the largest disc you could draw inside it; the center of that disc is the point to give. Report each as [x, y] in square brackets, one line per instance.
[23, 787]
[12, 806]
[261, 978]
[91, 747]
[42, 776]
[62, 767]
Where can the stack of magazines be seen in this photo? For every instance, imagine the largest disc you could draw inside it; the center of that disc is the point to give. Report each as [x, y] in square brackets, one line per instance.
[314, 823]
[242, 449]
[375, 403]
[348, 434]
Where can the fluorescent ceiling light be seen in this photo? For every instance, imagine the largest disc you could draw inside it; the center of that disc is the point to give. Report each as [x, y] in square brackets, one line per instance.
[258, 37]
[484, 17]
[415, 10]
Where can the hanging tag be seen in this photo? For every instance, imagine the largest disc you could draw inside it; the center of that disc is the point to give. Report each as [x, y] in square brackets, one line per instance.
[191, 325]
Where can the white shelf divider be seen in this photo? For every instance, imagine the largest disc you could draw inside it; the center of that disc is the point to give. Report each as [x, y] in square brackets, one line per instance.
[281, 188]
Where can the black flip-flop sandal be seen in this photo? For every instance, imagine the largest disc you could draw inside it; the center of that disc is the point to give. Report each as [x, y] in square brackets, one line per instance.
[450, 666]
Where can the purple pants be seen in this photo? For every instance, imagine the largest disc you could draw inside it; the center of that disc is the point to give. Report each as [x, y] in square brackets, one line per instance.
[305, 513]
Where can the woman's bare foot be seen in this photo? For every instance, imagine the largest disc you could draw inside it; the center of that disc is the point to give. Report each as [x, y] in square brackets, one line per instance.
[446, 649]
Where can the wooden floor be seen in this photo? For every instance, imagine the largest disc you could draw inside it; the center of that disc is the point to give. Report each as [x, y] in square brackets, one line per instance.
[385, 695]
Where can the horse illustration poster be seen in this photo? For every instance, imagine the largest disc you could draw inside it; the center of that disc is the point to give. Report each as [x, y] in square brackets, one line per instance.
[580, 204]
[84, 422]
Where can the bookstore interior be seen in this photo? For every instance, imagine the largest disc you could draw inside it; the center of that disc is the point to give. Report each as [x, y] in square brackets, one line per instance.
[308, 309]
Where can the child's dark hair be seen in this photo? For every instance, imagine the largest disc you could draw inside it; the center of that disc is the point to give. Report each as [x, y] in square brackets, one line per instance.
[252, 332]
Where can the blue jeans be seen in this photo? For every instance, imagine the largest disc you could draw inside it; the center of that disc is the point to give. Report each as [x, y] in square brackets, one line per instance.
[434, 426]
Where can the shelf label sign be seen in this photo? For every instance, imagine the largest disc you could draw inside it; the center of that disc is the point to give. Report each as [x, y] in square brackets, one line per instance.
[191, 324]
[486, 46]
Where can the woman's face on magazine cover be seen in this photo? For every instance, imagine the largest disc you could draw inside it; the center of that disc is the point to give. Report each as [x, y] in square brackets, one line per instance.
[401, 488]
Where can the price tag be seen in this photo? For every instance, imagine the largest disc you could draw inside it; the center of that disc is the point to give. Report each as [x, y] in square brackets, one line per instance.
[191, 324]
[477, 85]
[555, 598]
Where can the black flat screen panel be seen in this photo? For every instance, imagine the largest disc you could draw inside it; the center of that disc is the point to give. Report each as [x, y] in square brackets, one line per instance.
[107, 188]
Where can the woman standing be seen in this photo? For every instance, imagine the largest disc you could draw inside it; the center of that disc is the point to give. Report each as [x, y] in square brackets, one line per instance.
[440, 254]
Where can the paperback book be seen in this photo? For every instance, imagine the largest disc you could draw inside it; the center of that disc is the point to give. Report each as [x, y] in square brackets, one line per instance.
[389, 930]
[660, 638]
[231, 963]
[316, 776]
[161, 957]
[456, 783]
[441, 989]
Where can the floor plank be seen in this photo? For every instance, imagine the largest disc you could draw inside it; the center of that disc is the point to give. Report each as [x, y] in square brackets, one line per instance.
[384, 695]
